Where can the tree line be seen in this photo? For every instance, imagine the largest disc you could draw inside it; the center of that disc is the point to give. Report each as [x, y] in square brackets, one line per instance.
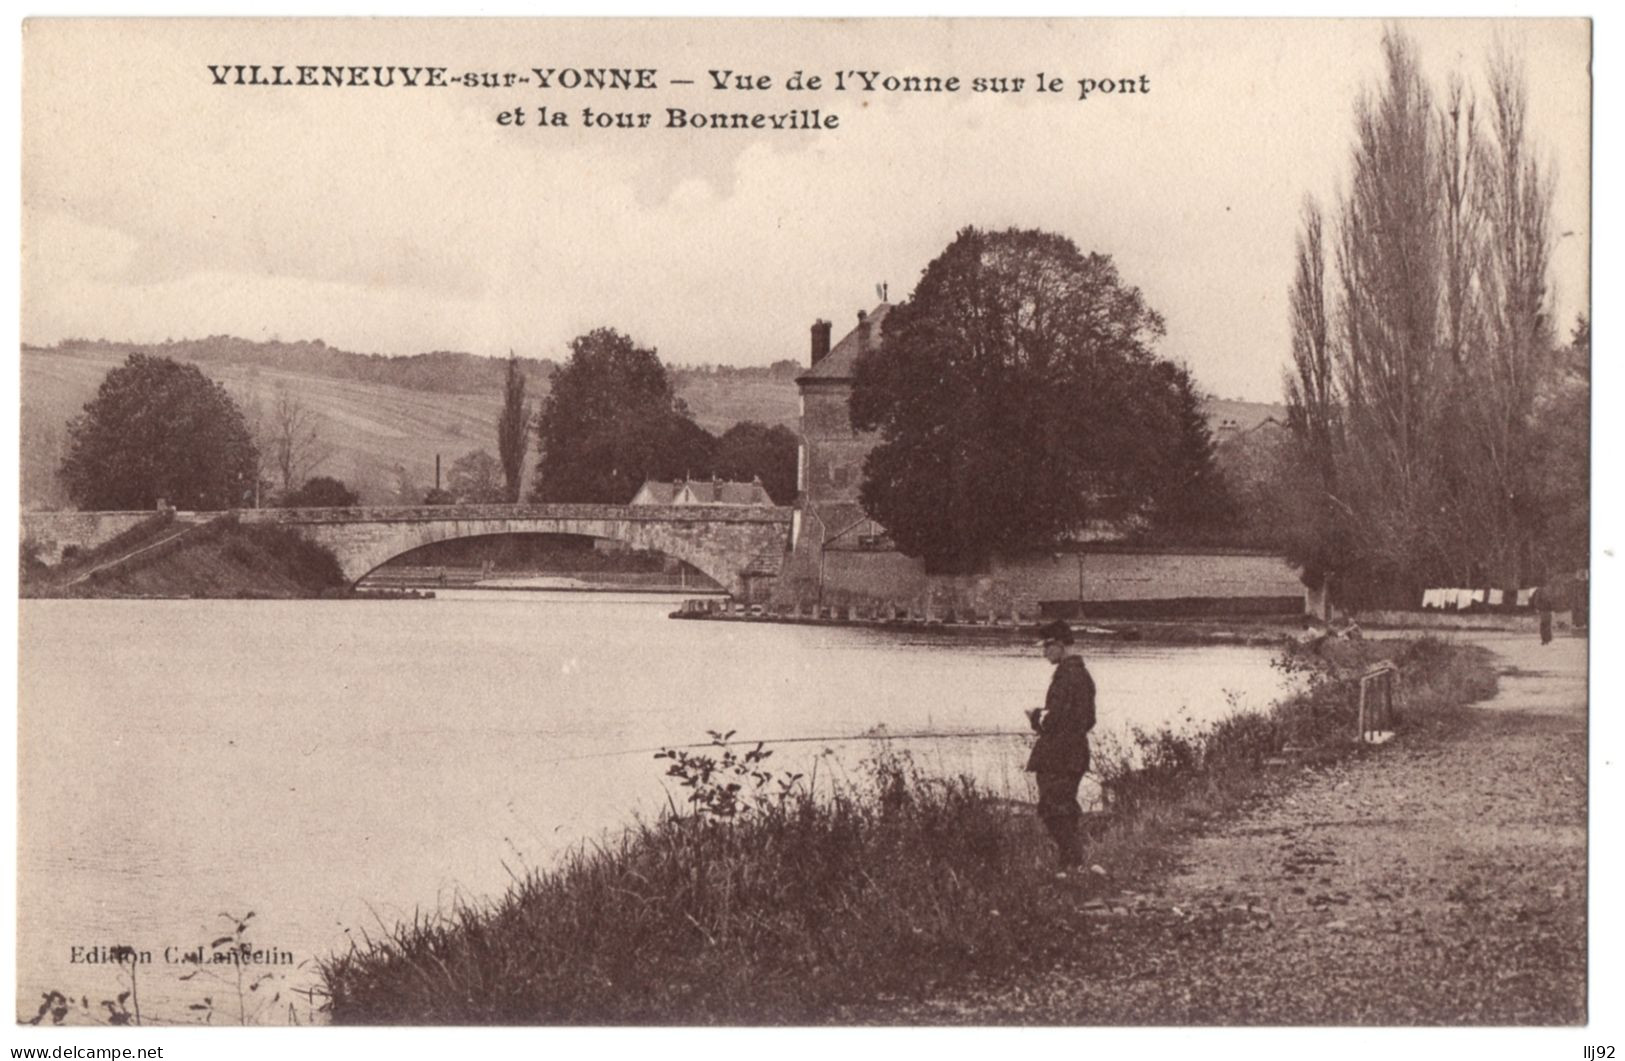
[161, 430]
[1438, 421]
[1016, 394]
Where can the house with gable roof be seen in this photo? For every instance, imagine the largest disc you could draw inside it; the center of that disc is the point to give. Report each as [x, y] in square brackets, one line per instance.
[702, 492]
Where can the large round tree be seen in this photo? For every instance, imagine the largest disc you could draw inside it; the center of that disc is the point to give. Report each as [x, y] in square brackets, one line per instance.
[753, 450]
[1018, 398]
[159, 430]
[612, 420]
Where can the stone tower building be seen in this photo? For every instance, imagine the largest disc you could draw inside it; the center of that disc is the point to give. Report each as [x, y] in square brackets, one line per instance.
[830, 466]
[832, 452]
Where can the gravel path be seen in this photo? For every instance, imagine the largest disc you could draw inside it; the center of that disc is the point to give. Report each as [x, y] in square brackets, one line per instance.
[1441, 880]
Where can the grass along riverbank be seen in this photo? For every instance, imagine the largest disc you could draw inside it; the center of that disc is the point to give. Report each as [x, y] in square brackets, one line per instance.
[762, 904]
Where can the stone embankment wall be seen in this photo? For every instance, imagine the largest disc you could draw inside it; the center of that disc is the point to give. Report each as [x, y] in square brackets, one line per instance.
[1140, 582]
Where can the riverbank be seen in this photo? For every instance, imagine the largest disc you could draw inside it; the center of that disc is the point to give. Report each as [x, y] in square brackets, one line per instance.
[1441, 882]
[1238, 630]
[398, 576]
[219, 559]
[887, 893]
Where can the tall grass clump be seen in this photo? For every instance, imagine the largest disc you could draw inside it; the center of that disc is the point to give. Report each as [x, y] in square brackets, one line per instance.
[760, 903]
[1161, 769]
[753, 899]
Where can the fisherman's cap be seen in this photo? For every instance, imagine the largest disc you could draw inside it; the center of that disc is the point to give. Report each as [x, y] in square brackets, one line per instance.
[1056, 632]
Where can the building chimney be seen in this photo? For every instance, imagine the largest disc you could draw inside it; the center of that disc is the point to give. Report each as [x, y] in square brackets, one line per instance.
[820, 340]
[863, 330]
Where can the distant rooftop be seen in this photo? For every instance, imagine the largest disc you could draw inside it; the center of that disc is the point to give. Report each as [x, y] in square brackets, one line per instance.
[702, 492]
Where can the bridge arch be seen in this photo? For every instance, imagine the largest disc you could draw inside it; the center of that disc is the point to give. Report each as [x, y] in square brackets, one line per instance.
[411, 558]
[713, 567]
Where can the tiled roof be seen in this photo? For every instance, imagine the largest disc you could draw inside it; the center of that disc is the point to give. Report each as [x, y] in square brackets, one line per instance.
[842, 359]
[714, 492]
[704, 492]
[657, 493]
[845, 524]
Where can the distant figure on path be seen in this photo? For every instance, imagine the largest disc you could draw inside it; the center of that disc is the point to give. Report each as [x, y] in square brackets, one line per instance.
[1542, 600]
[1060, 756]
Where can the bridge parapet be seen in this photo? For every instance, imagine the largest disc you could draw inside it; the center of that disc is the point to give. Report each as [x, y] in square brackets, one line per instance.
[466, 513]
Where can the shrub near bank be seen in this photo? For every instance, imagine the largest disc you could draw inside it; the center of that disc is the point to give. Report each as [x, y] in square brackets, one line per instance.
[758, 902]
[1168, 775]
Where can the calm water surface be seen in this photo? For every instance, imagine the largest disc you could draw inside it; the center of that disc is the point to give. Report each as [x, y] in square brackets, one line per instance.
[337, 766]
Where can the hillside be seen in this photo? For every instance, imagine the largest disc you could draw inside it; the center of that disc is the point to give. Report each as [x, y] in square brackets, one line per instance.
[382, 438]
[383, 420]
[1241, 415]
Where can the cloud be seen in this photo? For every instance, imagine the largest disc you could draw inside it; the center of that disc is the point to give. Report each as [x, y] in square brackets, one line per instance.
[399, 222]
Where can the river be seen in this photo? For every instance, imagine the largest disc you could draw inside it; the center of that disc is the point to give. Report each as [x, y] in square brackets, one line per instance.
[336, 766]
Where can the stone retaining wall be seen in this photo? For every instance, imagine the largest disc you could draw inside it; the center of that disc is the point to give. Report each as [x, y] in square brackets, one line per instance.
[1027, 586]
[52, 532]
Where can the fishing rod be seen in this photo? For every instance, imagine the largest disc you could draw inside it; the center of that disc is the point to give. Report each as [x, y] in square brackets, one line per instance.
[833, 739]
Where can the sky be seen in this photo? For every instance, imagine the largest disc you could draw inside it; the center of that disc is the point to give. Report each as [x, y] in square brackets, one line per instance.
[158, 205]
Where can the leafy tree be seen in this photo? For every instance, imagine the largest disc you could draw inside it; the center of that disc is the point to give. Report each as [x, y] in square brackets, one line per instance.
[437, 496]
[476, 478]
[1017, 398]
[158, 429]
[323, 491]
[513, 429]
[751, 450]
[1521, 353]
[611, 421]
[1304, 504]
[1189, 497]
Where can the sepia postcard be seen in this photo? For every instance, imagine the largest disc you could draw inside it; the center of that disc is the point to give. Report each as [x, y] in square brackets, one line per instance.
[544, 523]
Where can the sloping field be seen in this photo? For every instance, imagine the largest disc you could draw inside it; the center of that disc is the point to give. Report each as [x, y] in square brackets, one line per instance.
[381, 440]
[1243, 415]
[718, 402]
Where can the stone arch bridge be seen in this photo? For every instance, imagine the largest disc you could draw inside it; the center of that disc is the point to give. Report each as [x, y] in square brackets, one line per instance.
[733, 544]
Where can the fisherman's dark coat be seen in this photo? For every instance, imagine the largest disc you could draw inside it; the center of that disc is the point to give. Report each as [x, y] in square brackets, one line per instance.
[1064, 724]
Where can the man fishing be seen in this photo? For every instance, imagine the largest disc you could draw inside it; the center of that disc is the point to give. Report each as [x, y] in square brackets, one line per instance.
[1060, 755]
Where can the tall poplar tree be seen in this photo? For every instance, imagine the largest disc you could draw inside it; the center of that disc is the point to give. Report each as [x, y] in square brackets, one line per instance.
[1416, 373]
[513, 428]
